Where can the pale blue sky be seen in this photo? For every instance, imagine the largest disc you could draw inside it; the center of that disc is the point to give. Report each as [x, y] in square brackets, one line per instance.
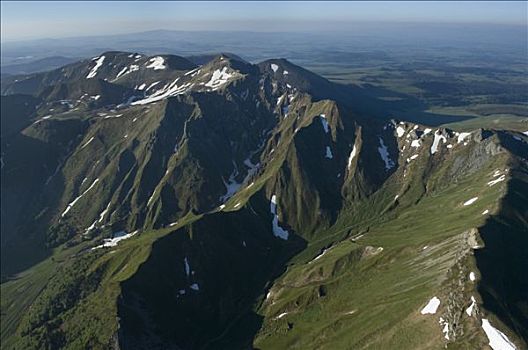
[41, 19]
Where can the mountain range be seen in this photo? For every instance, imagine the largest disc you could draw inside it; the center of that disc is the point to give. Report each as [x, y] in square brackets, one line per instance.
[206, 202]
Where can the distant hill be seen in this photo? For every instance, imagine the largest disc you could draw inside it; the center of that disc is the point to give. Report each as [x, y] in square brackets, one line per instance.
[39, 65]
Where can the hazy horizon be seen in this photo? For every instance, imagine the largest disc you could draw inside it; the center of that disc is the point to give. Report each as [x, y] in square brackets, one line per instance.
[23, 21]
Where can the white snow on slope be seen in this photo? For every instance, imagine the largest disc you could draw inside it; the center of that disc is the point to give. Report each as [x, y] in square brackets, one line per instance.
[43, 118]
[431, 306]
[400, 131]
[103, 213]
[469, 310]
[91, 227]
[436, 141]
[351, 157]
[152, 85]
[462, 136]
[320, 255]
[493, 182]
[445, 328]
[470, 201]
[232, 185]
[187, 267]
[142, 86]
[324, 122]
[127, 70]
[497, 339]
[168, 90]
[285, 72]
[328, 154]
[281, 315]
[274, 67]
[485, 212]
[98, 64]
[72, 203]
[383, 151]
[472, 277]
[195, 70]
[157, 63]
[113, 116]
[117, 237]
[195, 286]
[427, 131]
[415, 143]
[219, 78]
[87, 142]
[121, 72]
[277, 230]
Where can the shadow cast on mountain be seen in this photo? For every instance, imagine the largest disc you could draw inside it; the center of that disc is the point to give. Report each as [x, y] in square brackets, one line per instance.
[220, 265]
[503, 260]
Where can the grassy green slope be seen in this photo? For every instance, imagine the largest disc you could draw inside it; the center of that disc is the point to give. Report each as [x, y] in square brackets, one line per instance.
[358, 295]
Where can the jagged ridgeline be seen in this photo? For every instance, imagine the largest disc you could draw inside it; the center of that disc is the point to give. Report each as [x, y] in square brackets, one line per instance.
[209, 203]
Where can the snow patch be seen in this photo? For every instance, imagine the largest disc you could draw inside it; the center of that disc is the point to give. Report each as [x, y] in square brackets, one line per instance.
[113, 116]
[103, 213]
[431, 306]
[324, 122]
[87, 142]
[485, 212]
[72, 203]
[497, 339]
[328, 153]
[470, 201]
[281, 315]
[98, 64]
[462, 136]
[43, 118]
[232, 185]
[274, 67]
[472, 277]
[400, 131]
[415, 143]
[351, 156]
[445, 328]
[219, 78]
[469, 310]
[493, 182]
[277, 230]
[117, 237]
[195, 286]
[171, 89]
[436, 141]
[320, 255]
[152, 85]
[157, 63]
[383, 151]
[187, 267]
